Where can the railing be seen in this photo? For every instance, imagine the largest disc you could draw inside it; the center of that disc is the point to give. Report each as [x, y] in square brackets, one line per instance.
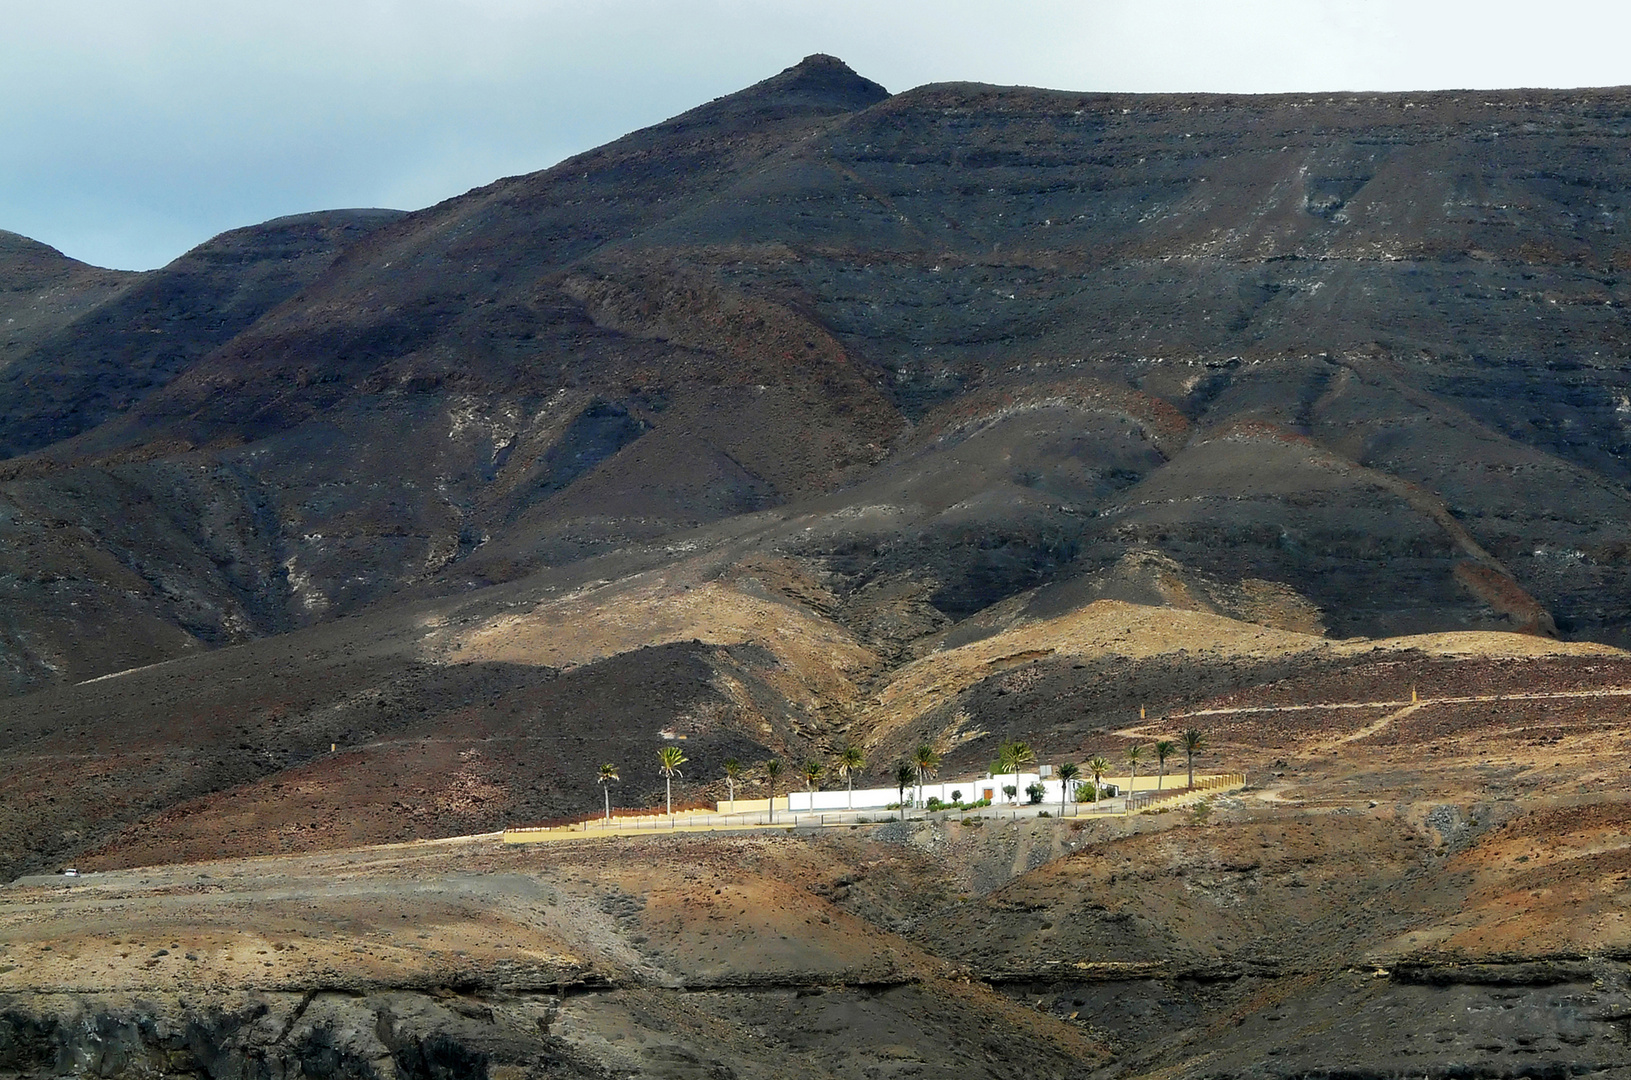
[1143, 800]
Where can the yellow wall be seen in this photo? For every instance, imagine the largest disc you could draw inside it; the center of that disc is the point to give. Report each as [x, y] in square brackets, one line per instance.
[750, 806]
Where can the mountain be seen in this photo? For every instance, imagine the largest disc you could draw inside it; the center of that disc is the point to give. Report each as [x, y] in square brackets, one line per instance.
[762, 416]
[41, 289]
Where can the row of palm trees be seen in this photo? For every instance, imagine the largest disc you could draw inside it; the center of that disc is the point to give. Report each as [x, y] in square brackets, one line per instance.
[669, 758]
[920, 768]
[847, 764]
[1191, 743]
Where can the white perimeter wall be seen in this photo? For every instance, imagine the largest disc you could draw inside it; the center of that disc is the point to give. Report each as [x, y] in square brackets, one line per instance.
[972, 789]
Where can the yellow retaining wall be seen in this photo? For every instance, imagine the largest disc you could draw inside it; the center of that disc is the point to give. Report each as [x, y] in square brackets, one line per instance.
[1205, 786]
[749, 814]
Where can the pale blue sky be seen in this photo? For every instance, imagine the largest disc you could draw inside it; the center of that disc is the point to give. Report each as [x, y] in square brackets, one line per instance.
[133, 129]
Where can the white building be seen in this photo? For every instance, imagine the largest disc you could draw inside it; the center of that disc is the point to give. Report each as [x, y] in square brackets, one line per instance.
[968, 790]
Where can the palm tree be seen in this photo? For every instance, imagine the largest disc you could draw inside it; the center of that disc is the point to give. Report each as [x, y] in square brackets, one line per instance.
[1017, 754]
[671, 759]
[773, 769]
[1192, 742]
[608, 776]
[1135, 754]
[733, 769]
[1068, 772]
[812, 772]
[1098, 766]
[1163, 750]
[924, 762]
[850, 762]
[903, 780]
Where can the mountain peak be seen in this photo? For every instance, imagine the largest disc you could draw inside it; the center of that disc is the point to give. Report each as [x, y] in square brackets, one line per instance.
[821, 80]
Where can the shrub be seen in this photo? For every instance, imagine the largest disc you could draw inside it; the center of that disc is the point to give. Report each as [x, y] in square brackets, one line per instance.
[1034, 791]
[1010, 790]
[973, 821]
[1043, 813]
[957, 797]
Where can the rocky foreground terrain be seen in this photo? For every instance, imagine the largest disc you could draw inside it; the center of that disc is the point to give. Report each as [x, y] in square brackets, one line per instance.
[817, 416]
[1430, 891]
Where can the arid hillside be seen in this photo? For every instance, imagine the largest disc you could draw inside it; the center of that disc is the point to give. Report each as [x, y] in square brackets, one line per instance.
[820, 417]
[1369, 349]
[1429, 887]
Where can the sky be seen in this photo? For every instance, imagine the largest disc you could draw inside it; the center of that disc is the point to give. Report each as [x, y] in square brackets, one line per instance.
[131, 130]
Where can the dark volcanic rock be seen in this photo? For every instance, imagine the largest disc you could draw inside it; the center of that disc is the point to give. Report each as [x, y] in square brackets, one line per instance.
[1369, 348]
[42, 290]
[111, 357]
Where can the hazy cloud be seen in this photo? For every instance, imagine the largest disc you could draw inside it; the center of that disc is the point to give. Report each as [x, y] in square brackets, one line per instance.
[133, 129]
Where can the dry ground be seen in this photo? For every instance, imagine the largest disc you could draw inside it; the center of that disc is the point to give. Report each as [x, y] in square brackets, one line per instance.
[1459, 877]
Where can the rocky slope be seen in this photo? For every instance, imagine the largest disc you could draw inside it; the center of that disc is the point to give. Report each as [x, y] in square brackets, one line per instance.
[1369, 347]
[1435, 890]
[816, 416]
[41, 290]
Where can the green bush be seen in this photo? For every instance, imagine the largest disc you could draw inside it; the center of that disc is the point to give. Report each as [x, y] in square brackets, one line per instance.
[934, 803]
[1043, 813]
[1034, 791]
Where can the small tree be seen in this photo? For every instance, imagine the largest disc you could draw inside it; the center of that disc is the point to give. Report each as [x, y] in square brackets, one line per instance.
[1192, 742]
[924, 763]
[1163, 750]
[733, 770]
[812, 772]
[903, 780]
[1098, 766]
[1068, 772]
[850, 762]
[671, 758]
[773, 769]
[1004, 763]
[1135, 754]
[608, 777]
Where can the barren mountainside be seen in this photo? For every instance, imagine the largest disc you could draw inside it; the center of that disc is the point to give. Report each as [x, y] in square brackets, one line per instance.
[833, 381]
[820, 416]
[1370, 347]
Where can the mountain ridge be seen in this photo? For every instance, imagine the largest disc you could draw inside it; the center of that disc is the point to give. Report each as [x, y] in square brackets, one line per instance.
[876, 371]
